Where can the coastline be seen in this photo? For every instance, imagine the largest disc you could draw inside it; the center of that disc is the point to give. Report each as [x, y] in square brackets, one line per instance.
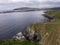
[47, 33]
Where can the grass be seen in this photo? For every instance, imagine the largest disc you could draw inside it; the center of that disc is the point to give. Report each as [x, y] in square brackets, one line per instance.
[17, 42]
[53, 30]
[55, 13]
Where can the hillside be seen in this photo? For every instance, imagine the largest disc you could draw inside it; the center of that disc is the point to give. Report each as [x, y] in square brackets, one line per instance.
[49, 32]
[28, 9]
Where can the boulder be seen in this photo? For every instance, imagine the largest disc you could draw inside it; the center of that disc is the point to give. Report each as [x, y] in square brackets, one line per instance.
[19, 36]
[31, 34]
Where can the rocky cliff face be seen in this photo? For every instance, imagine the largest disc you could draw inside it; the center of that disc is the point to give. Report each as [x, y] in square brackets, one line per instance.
[31, 34]
[45, 33]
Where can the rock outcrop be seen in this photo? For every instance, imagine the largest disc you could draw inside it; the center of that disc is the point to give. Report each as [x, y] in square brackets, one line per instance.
[50, 18]
[31, 34]
[19, 36]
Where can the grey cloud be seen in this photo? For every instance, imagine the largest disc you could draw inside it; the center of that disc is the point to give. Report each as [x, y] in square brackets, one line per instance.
[27, 4]
[5, 1]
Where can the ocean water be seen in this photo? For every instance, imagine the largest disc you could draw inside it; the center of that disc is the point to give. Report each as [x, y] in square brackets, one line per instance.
[12, 23]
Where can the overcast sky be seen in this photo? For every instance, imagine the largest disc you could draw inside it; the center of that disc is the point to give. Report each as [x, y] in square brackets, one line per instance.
[10, 4]
[13, 1]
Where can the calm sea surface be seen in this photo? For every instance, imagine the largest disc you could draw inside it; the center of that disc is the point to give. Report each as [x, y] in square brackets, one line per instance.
[12, 23]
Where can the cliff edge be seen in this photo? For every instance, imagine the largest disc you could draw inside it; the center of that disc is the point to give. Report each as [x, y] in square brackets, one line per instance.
[47, 33]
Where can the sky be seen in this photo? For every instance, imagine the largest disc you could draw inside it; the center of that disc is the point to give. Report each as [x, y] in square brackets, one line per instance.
[14, 1]
[10, 4]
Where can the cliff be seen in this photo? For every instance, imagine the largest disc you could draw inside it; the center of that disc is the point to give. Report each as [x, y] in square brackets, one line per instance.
[47, 33]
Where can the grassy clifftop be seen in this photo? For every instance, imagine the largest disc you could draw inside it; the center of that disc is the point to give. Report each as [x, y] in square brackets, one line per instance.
[50, 32]
[55, 13]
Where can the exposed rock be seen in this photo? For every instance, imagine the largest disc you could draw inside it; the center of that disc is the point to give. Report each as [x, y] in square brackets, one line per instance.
[50, 18]
[47, 34]
[19, 36]
[31, 34]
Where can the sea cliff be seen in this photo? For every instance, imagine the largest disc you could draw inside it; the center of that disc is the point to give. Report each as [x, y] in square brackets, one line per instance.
[45, 33]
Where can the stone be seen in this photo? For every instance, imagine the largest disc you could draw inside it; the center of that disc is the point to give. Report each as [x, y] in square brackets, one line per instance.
[31, 34]
[19, 36]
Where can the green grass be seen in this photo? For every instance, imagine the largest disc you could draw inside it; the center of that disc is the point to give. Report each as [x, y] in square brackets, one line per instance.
[55, 13]
[18, 42]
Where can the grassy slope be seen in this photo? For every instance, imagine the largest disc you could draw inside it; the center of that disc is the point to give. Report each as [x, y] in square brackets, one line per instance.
[50, 31]
[55, 13]
[17, 42]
